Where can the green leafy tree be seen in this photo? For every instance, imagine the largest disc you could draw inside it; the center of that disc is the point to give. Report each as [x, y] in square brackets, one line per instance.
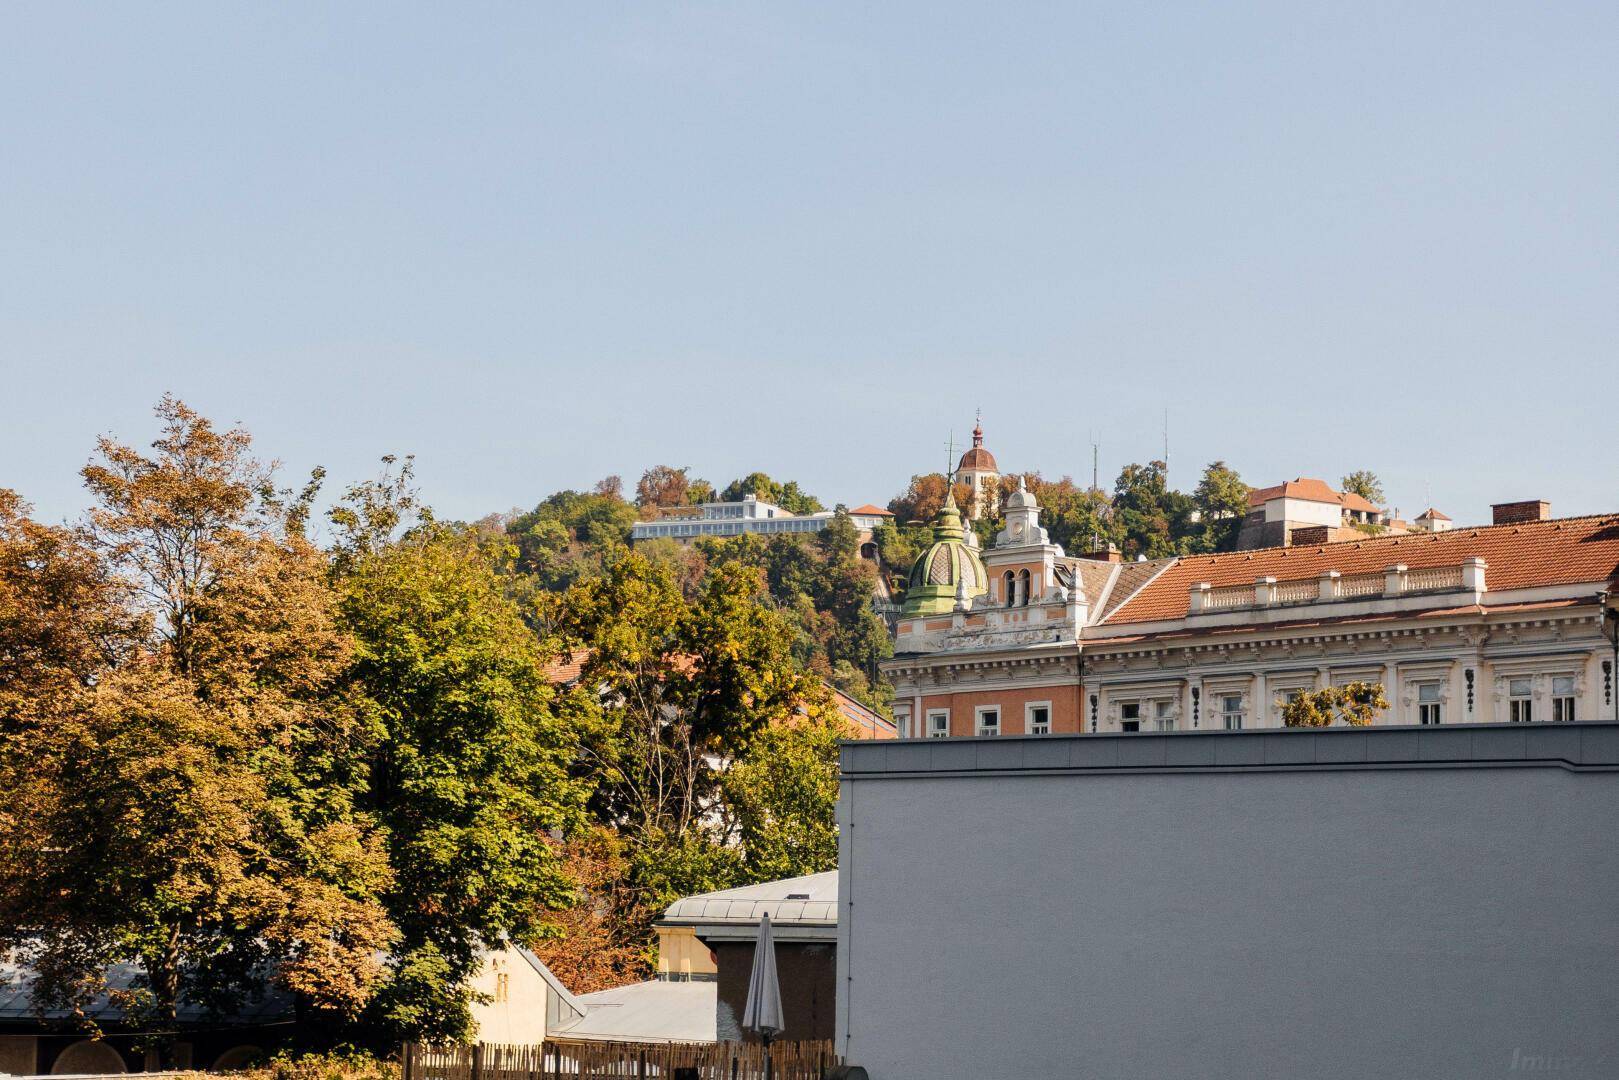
[783, 793]
[571, 534]
[1078, 518]
[1364, 482]
[823, 587]
[699, 492]
[1221, 502]
[899, 546]
[684, 681]
[674, 686]
[471, 770]
[876, 693]
[1143, 511]
[1356, 704]
[788, 496]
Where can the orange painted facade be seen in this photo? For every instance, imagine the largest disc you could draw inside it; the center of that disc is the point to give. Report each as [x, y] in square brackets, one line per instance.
[1066, 712]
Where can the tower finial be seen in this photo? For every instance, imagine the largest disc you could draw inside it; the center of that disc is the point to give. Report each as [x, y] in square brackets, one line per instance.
[978, 428]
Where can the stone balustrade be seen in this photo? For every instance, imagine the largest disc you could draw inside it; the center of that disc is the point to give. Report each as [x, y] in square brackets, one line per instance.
[1330, 587]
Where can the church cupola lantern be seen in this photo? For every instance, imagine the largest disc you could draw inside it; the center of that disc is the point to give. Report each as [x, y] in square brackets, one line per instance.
[977, 469]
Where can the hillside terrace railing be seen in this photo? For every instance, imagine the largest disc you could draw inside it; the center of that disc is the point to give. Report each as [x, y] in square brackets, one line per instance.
[563, 1059]
[1330, 587]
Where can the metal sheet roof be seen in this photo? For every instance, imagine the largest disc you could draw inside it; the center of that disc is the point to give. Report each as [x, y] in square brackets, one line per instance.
[808, 901]
[657, 1011]
[270, 1006]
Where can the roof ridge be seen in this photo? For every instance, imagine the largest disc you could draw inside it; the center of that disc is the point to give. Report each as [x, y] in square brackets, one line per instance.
[1139, 589]
[1459, 530]
[1557, 551]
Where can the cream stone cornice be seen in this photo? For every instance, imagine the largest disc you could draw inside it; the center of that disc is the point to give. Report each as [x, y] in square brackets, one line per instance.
[1470, 625]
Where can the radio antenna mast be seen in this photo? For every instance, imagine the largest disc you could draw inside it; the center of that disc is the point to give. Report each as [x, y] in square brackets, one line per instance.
[1096, 454]
[1166, 444]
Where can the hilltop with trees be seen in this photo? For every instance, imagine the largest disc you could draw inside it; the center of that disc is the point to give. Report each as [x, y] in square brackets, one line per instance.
[1142, 515]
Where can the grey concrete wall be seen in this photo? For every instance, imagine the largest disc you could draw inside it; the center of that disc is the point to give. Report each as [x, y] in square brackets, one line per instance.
[1387, 903]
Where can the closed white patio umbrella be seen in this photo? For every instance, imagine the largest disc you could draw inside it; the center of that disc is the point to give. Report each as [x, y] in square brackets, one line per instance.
[763, 1015]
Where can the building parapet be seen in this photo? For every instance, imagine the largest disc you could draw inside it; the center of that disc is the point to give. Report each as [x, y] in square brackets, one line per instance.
[1331, 587]
[1585, 745]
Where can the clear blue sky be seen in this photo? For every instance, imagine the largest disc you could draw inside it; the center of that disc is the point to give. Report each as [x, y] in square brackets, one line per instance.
[534, 246]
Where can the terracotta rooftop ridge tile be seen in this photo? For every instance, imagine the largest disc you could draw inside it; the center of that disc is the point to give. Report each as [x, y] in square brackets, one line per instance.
[1558, 551]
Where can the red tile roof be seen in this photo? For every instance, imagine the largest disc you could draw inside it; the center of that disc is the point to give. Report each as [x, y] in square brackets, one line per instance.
[1558, 552]
[566, 669]
[1309, 489]
[867, 722]
[872, 510]
[1431, 514]
[977, 459]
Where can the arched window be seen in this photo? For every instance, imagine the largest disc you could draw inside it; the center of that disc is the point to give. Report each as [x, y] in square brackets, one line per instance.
[1009, 588]
[88, 1057]
[1023, 586]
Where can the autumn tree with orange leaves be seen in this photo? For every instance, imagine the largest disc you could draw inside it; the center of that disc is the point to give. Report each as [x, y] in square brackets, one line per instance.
[181, 751]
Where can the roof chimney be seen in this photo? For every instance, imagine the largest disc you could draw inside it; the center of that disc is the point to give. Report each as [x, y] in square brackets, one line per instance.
[1306, 535]
[1517, 513]
[1110, 553]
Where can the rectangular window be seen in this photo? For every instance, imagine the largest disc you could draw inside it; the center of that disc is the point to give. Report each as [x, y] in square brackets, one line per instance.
[989, 721]
[1231, 711]
[1130, 716]
[1520, 707]
[1430, 710]
[1037, 719]
[1563, 699]
[939, 723]
[1164, 715]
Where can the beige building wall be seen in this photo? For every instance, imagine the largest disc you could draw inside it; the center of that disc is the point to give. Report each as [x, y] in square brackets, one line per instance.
[515, 1004]
[681, 955]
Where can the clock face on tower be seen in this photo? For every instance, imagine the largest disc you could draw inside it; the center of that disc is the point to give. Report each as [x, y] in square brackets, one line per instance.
[1017, 530]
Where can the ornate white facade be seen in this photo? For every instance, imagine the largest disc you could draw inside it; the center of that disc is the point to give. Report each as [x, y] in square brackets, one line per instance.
[1508, 623]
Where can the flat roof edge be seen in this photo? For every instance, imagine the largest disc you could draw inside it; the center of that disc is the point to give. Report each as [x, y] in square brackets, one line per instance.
[1580, 746]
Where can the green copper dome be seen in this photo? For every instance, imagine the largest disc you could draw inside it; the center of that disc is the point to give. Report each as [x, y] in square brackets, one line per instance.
[948, 564]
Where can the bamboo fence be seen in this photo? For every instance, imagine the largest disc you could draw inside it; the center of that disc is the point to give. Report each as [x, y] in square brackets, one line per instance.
[562, 1059]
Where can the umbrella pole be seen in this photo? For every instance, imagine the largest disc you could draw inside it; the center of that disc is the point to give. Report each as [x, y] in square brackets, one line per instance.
[767, 1056]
